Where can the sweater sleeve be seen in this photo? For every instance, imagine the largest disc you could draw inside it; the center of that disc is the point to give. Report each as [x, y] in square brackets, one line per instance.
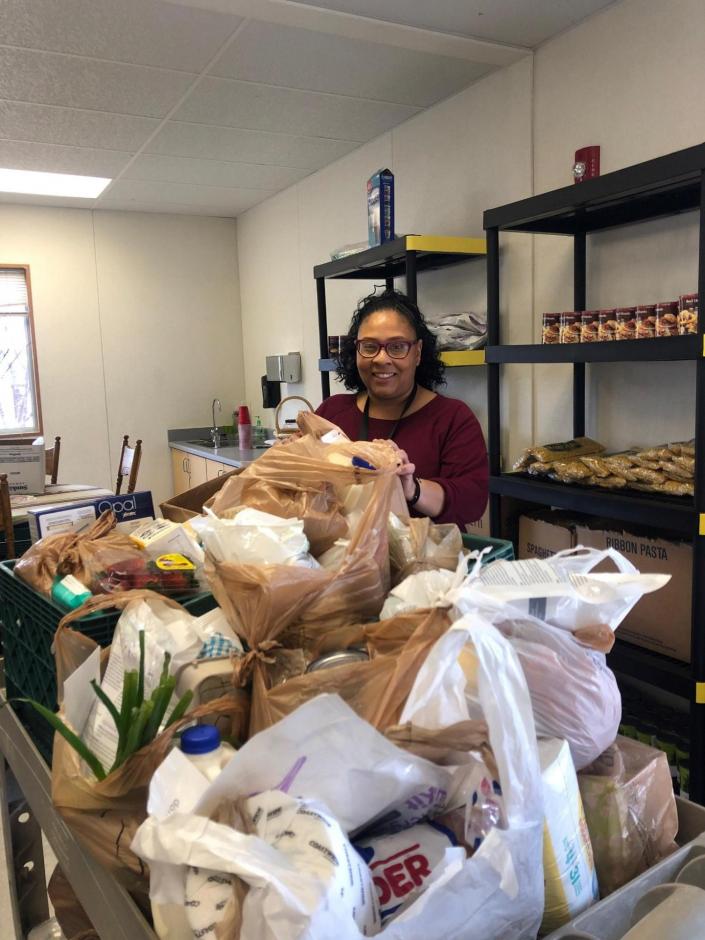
[464, 470]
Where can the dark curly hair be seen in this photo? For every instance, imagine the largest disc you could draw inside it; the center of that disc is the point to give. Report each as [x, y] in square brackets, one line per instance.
[430, 370]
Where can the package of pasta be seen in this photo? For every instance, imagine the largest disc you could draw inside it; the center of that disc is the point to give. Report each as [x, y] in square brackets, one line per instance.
[567, 450]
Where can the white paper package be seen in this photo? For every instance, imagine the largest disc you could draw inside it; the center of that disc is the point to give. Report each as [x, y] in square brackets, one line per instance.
[258, 538]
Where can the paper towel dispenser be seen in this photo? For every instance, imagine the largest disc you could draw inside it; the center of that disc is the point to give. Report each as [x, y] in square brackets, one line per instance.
[284, 368]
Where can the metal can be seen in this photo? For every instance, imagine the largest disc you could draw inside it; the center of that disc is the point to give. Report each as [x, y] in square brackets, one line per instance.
[570, 327]
[626, 323]
[607, 326]
[667, 318]
[551, 328]
[339, 658]
[645, 316]
[589, 326]
[687, 314]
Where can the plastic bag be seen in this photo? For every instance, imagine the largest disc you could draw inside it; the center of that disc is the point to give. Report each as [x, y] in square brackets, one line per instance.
[255, 537]
[418, 544]
[86, 555]
[630, 810]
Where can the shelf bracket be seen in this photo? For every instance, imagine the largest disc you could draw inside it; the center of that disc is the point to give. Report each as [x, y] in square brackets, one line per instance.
[700, 693]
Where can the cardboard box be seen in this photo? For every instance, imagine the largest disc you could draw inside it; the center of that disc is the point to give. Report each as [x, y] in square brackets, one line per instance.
[544, 534]
[24, 466]
[660, 621]
[481, 526]
[130, 510]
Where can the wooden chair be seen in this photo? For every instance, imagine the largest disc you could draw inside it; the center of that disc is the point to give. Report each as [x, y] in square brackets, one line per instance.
[129, 465]
[6, 517]
[51, 460]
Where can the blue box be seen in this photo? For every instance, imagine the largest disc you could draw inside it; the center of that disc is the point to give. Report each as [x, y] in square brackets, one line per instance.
[380, 208]
[129, 508]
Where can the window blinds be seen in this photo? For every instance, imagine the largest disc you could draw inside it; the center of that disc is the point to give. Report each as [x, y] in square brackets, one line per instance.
[14, 297]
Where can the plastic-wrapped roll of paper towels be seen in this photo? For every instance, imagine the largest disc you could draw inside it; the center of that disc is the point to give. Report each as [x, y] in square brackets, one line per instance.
[568, 866]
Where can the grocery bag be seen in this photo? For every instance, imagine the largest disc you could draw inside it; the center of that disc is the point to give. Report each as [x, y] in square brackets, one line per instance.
[324, 753]
[105, 814]
[559, 617]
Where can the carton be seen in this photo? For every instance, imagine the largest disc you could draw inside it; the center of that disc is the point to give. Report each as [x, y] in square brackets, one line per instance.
[660, 621]
[481, 526]
[130, 510]
[380, 208]
[24, 466]
[544, 534]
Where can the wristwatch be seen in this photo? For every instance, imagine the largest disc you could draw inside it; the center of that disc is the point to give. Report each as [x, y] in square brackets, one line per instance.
[413, 500]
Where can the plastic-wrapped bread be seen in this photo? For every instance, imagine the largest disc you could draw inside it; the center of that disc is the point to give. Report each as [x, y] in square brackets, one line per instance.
[608, 483]
[683, 448]
[622, 466]
[646, 475]
[656, 453]
[597, 466]
[683, 460]
[675, 472]
[568, 471]
[540, 469]
[567, 450]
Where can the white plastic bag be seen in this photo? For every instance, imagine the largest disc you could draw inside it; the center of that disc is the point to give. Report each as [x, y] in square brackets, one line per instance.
[258, 538]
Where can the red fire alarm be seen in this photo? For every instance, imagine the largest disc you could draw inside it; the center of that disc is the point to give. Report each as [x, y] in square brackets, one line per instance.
[587, 164]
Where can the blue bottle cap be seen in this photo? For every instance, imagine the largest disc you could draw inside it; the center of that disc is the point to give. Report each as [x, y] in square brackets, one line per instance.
[202, 739]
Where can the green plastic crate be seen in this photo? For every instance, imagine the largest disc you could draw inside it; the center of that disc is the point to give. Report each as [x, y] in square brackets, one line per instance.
[28, 621]
[502, 550]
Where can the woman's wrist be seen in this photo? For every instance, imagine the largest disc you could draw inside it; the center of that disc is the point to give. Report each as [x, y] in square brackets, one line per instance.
[413, 499]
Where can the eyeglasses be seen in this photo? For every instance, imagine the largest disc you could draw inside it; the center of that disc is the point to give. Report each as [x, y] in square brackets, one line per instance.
[395, 349]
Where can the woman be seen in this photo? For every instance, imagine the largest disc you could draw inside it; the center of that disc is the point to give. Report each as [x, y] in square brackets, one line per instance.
[389, 361]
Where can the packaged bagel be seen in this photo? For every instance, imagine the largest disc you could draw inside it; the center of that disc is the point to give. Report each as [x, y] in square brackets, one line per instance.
[667, 318]
[607, 325]
[589, 326]
[687, 314]
[565, 450]
[569, 471]
[645, 316]
[626, 322]
[597, 466]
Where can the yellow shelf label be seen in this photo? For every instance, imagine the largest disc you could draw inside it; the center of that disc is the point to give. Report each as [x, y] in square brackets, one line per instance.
[463, 357]
[700, 693]
[701, 524]
[447, 244]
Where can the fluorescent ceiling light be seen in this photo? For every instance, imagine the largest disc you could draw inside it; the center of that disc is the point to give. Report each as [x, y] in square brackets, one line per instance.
[30, 182]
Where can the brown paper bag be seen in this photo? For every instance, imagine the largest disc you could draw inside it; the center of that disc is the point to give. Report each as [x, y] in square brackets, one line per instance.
[85, 555]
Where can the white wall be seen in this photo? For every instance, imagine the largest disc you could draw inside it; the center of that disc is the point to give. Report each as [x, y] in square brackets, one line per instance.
[137, 321]
[449, 163]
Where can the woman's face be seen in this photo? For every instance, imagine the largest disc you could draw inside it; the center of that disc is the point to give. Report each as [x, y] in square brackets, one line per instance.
[383, 376]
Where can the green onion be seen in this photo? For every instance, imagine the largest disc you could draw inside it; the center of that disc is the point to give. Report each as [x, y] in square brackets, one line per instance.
[140, 681]
[180, 708]
[73, 739]
[161, 698]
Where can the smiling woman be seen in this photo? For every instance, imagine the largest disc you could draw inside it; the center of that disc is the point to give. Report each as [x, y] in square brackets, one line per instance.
[389, 360]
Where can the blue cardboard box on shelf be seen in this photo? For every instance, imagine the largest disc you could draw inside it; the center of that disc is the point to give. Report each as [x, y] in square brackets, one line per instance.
[380, 207]
[129, 508]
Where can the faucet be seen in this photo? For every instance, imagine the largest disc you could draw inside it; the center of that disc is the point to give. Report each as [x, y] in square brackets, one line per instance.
[215, 433]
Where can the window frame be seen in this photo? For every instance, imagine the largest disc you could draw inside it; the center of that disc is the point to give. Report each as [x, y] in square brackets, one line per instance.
[28, 436]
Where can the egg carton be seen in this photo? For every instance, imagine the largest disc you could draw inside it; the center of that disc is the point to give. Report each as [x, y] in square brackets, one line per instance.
[611, 918]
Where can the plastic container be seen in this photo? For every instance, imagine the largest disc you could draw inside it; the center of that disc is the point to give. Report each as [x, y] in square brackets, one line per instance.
[502, 550]
[203, 747]
[244, 428]
[29, 622]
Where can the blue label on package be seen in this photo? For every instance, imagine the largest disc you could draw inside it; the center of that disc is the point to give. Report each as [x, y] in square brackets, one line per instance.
[47, 520]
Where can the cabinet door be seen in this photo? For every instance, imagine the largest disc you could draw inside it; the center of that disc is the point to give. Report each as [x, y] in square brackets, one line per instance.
[214, 468]
[197, 468]
[181, 477]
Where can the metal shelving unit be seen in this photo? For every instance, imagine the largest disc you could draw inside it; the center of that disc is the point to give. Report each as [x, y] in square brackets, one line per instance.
[656, 188]
[405, 256]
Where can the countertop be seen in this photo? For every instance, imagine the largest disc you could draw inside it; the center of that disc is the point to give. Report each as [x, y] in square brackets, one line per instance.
[228, 454]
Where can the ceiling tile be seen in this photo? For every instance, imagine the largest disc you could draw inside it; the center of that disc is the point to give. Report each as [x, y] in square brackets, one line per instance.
[517, 22]
[24, 155]
[213, 172]
[144, 32]
[301, 58]
[239, 145]
[69, 81]
[211, 199]
[263, 107]
[21, 120]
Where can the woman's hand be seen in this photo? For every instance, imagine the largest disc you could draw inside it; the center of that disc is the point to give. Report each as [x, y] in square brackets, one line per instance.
[405, 471]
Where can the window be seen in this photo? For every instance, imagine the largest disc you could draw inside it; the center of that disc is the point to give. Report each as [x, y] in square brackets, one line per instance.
[20, 412]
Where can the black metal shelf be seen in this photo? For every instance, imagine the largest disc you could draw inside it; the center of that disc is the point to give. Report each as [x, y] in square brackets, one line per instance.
[663, 349]
[663, 186]
[651, 667]
[389, 259]
[674, 513]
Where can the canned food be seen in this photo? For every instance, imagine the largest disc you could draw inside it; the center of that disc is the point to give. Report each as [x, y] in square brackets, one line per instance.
[570, 327]
[645, 317]
[589, 326]
[687, 314]
[339, 658]
[667, 318]
[551, 328]
[607, 325]
[626, 323]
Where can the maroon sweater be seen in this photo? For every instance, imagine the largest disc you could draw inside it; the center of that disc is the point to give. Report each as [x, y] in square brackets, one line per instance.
[443, 439]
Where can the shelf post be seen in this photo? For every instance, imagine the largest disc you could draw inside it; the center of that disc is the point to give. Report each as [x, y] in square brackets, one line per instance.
[410, 268]
[493, 375]
[323, 332]
[579, 281]
[697, 654]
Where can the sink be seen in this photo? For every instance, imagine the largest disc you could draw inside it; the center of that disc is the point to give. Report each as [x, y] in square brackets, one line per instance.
[203, 442]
